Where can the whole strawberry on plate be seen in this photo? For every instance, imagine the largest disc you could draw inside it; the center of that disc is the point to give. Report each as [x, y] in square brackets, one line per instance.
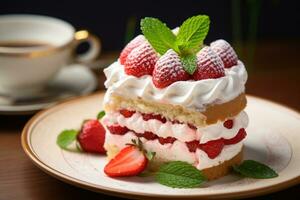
[90, 138]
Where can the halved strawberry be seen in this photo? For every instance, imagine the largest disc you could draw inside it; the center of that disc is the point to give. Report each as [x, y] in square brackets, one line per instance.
[126, 113]
[168, 70]
[92, 136]
[239, 137]
[192, 145]
[137, 41]
[141, 61]
[228, 124]
[191, 126]
[167, 140]
[209, 65]
[117, 129]
[130, 161]
[212, 148]
[226, 52]
[149, 135]
[147, 117]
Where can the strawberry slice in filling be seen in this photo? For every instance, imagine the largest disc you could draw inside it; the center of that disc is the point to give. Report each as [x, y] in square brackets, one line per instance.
[212, 148]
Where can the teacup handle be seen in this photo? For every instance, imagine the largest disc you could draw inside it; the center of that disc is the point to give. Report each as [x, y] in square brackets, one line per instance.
[95, 46]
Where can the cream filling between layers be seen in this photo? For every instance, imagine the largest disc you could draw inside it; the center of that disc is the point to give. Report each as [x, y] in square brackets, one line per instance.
[181, 132]
[176, 151]
[193, 95]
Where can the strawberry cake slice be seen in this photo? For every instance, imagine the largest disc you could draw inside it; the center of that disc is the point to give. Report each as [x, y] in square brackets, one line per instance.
[182, 99]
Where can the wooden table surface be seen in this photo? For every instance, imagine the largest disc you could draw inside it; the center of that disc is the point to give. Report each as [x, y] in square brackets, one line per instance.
[20, 179]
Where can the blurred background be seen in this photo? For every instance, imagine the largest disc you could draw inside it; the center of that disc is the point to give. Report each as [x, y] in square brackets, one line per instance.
[265, 33]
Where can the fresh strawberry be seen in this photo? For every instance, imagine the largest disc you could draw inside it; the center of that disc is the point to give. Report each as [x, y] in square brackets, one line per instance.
[137, 41]
[117, 129]
[92, 136]
[130, 161]
[141, 61]
[192, 145]
[239, 137]
[212, 148]
[226, 52]
[126, 113]
[149, 135]
[167, 140]
[147, 117]
[191, 126]
[228, 124]
[209, 65]
[168, 70]
[176, 121]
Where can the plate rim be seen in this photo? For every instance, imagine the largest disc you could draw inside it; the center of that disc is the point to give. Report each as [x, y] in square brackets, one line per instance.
[120, 192]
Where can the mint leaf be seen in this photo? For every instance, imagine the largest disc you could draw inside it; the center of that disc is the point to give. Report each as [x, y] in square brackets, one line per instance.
[101, 114]
[158, 34]
[65, 138]
[189, 63]
[178, 174]
[192, 32]
[254, 169]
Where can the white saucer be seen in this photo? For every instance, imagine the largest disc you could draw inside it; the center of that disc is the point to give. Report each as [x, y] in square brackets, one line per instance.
[71, 81]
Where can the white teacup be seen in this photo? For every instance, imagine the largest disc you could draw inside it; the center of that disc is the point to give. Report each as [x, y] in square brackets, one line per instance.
[33, 48]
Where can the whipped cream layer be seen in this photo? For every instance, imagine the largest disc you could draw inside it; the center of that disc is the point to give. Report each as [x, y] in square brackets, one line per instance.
[176, 151]
[194, 95]
[181, 132]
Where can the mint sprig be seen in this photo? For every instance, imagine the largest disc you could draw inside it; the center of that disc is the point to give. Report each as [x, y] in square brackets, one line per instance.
[187, 43]
[66, 138]
[254, 169]
[189, 63]
[158, 34]
[192, 33]
[178, 174]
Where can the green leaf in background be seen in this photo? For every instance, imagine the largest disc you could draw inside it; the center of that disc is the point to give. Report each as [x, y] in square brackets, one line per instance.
[101, 114]
[66, 138]
[254, 169]
[158, 34]
[178, 174]
[189, 63]
[192, 33]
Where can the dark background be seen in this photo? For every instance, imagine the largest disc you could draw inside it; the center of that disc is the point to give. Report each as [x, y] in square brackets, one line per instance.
[265, 34]
[115, 22]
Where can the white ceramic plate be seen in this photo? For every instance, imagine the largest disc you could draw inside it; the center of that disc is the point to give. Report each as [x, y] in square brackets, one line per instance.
[71, 81]
[273, 138]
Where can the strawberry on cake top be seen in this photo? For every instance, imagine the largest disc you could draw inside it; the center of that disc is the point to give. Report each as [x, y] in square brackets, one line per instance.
[182, 99]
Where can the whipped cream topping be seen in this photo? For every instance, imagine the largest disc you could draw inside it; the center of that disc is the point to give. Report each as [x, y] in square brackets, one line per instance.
[176, 151]
[181, 132]
[194, 95]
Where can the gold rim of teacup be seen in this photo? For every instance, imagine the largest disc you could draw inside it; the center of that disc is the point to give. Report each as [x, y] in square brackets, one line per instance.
[78, 36]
